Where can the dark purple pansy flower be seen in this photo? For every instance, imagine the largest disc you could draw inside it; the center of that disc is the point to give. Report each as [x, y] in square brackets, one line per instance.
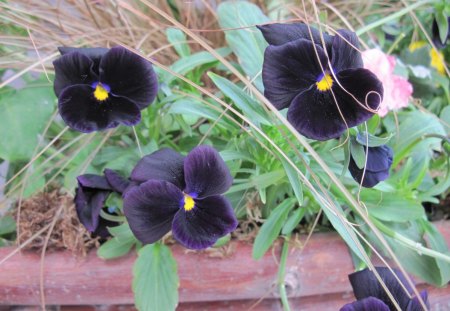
[100, 88]
[436, 35]
[293, 77]
[371, 296]
[182, 194]
[90, 198]
[379, 161]
[91, 195]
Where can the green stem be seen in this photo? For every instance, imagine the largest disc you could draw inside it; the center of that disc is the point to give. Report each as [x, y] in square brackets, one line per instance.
[282, 273]
[392, 17]
[416, 246]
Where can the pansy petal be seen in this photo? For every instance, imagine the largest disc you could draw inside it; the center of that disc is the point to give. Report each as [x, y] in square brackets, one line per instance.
[344, 51]
[206, 173]
[116, 181]
[415, 305]
[95, 54]
[150, 208]
[93, 181]
[88, 204]
[371, 179]
[366, 304]
[365, 284]
[129, 75]
[290, 69]
[82, 112]
[71, 69]
[210, 219]
[279, 34]
[314, 115]
[165, 164]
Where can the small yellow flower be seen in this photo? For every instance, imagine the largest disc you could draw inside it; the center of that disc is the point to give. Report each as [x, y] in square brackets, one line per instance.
[437, 58]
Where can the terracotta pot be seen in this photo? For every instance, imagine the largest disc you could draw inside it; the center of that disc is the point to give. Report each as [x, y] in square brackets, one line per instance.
[316, 278]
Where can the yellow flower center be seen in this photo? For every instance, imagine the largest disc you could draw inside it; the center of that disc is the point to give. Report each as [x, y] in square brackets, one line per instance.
[188, 202]
[325, 83]
[100, 93]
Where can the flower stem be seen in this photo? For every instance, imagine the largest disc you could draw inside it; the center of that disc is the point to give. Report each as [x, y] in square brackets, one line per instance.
[282, 273]
[416, 246]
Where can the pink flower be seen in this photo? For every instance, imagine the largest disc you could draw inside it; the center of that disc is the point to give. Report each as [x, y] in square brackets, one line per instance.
[397, 89]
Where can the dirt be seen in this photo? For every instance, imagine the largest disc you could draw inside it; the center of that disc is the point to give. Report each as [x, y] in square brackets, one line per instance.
[68, 233]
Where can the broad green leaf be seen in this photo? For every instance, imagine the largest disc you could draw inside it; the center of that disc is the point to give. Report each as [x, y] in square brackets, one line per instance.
[114, 248]
[445, 116]
[187, 64]
[178, 39]
[437, 242]
[24, 114]
[294, 180]
[260, 181]
[7, 225]
[367, 139]
[241, 99]
[358, 153]
[293, 220]
[346, 233]
[413, 133]
[398, 207]
[155, 279]
[442, 22]
[246, 42]
[271, 228]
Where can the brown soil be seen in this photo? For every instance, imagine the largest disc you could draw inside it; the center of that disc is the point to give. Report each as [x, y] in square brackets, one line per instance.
[68, 233]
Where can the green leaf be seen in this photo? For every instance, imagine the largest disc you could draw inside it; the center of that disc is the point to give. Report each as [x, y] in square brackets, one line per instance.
[442, 22]
[346, 233]
[271, 228]
[398, 207]
[412, 135]
[242, 100]
[178, 39]
[246, 42]
[7, 225]
[155, 279]
[189, 63]
[445, 116]
[437, 242]
[294, 180]
[367, 139]
[24, 114]
[358, 153]
[114, 248]
[293, 220]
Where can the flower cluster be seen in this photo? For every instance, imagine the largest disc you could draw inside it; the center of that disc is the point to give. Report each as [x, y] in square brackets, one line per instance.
[370, 294]
[99, 88]
[166, 191]
[323, 84]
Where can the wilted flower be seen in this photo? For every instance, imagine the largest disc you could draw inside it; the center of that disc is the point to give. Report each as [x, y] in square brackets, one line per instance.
[100, 88]
[438, 43]
[91, 195]
[397, 90]
[379, 161]
[324, 98]
[183, 194]
[437, 58]
[371, 296]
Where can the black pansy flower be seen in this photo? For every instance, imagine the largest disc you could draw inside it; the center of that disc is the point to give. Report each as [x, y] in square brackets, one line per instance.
[100, 88]
[379, 161]
[319, 99]
[182, 194]
[91, 195]
[371, 296]
[436, 37]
